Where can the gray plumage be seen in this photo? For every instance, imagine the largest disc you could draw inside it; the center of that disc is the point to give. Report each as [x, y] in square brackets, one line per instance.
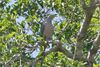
[47, 28]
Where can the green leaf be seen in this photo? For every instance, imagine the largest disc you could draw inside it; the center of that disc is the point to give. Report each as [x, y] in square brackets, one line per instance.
[10, 35]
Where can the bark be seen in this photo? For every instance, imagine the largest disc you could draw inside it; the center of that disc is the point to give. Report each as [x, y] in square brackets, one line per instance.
[89, 10]
[93, 51]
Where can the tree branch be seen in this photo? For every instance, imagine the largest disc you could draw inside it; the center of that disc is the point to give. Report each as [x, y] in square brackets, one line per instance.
[13, 58]
[84, 6]
[60, 48]
[95, 47]
[92, 3]
[66, 52]
[51, 50]
[83, 30]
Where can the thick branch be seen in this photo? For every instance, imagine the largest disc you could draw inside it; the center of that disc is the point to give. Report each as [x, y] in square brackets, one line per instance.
[58, 47]
[96, 43]
[45, 54]
[92, 3]
[83, 30]
[94, 48]
[62, 49]
[51, 50]
[65, 52]
[84, 6]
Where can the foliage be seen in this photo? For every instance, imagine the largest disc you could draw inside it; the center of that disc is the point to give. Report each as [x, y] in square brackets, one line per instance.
[18, 40]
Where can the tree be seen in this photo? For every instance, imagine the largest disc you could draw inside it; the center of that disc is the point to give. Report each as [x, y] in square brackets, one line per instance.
[75, 41]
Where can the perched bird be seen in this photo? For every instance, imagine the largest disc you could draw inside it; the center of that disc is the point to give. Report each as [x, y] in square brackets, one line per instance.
[47, 28]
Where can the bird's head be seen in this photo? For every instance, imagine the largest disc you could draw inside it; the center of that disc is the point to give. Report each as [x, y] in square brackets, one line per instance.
[51, 17]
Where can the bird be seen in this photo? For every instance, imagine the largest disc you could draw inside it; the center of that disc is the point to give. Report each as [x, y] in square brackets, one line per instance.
[47, 28]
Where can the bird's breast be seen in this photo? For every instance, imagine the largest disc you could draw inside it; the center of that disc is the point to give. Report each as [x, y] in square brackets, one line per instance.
[48, 30]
